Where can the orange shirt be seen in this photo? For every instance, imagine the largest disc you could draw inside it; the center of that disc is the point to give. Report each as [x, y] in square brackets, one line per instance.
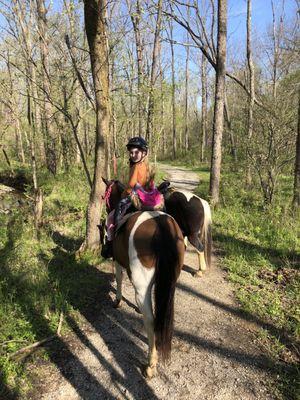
[137, 174]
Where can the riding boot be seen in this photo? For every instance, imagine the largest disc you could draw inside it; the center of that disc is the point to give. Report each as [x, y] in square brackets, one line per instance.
[119, 212]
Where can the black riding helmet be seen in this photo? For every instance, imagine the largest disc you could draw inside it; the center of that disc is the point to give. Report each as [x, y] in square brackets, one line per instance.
[138, 142]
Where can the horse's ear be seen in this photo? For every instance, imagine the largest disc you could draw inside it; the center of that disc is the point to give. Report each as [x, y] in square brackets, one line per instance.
[163, 187]
[105, 181]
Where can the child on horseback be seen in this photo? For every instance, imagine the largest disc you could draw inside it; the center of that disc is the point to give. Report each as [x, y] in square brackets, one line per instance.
[139, 176]
[139, 173]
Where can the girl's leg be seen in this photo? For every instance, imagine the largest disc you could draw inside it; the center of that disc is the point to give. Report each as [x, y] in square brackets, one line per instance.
[121, 209]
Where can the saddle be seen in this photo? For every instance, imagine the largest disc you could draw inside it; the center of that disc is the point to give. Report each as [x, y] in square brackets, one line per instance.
[147, 200]
[123, 221]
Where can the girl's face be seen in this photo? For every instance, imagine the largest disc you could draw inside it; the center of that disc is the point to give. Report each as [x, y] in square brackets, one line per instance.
[136, 154]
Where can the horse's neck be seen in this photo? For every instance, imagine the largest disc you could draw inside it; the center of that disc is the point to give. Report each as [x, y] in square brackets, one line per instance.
[170, 191]
[116, 200]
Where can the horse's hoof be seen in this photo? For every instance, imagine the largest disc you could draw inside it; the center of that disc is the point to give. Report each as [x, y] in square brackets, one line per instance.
[149, 372]
[117, 303]
[198, 274]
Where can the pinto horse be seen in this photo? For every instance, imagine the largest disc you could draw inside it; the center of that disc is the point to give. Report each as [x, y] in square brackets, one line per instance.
[193, 215]
[150, 246]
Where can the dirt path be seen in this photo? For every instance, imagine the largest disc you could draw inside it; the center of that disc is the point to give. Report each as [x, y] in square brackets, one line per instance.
[214, 355]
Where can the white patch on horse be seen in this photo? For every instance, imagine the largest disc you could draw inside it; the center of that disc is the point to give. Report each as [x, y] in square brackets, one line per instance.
[142, 280]
[207, 213]
[187, 194]
[139, 272]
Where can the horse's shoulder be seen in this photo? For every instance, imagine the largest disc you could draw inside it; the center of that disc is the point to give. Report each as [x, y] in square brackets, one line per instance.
[180, 195]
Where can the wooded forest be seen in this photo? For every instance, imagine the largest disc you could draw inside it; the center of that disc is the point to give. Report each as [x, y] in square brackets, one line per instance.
[79, 78]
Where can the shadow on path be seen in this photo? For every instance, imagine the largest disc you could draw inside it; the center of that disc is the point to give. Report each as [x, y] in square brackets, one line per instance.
[278, 333]
[247, 249]
[6, 392]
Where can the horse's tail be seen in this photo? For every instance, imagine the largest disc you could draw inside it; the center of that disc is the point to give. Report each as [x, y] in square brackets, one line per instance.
[207, 236]
[167, 269]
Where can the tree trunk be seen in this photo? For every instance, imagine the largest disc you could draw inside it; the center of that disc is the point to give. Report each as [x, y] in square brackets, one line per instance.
[186, 132]
[96, 32]
[79, 130]
[162, 108]
[135, 18]
[149, 129]
[174, 139]
[19, 139]
[39, 134]
[113, 121]
[38, 194]
[12, 105]
[31, 110]
[252, 90]
[296, 198]
[275, 55]
[203, 104]
[216, 158]
[51, 157]
[233, 149]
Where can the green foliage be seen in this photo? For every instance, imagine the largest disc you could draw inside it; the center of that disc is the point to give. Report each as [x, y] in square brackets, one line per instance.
[23, 292]
[19, 177]
[41, 278]
[67, 191]
[261, 252]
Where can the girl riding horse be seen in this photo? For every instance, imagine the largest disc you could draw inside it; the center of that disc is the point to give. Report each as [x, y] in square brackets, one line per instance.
[139, 175]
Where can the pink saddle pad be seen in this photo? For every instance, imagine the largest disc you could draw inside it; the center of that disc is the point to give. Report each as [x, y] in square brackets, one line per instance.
[150, 198]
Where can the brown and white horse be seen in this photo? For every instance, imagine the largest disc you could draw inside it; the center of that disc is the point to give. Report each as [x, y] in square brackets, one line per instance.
[193, 215]
[150, 246]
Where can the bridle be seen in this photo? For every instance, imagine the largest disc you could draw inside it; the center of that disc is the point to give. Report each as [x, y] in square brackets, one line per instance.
[107, 194]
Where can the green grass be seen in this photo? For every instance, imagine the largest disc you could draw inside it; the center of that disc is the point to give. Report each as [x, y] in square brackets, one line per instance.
[39, 279]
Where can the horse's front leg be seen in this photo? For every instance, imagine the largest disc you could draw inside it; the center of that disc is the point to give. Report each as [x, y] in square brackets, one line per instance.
[185, 239]
[194, 239]
[202, 263]
[143, 299]
[119, 279]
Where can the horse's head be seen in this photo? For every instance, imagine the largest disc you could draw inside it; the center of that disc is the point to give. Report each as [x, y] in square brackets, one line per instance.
[163, 187]
[113, 192]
